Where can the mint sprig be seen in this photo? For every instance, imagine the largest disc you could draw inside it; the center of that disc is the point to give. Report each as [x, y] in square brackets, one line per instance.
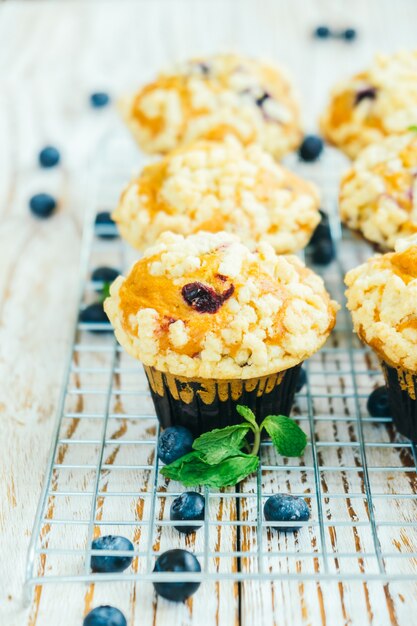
[413, 127]
[218, 461]
[105, 291]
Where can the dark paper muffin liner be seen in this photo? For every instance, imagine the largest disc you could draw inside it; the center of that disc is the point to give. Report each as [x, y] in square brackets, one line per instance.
[203, 404]
[402, 393]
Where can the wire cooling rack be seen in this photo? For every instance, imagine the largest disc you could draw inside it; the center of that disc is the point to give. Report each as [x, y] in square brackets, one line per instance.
[357, 475]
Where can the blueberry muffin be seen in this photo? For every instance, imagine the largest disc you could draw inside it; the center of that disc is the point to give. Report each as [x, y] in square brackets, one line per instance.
[216, 325]
[210, 98]
[378, 195]
[382, 297]
[214, 186]
[375, 103]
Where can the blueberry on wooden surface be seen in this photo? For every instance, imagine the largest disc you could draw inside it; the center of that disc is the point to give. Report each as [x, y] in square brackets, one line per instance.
[105, 616]
[286, 508]
[180, 561]
[107, 563]
[350, 34]
[322, 32]
[378, 403]
[95, 314]
[99, 99]
[49, 156]
[187, 507]
[173, 443]
[42, 205]
[311, 148]
[105, 226]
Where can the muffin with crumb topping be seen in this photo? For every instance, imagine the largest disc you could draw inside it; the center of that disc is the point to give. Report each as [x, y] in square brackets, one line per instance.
[217, 325]
[378, 195]
[382, 297]
[373, 104]
[210, 98]
[214, 186]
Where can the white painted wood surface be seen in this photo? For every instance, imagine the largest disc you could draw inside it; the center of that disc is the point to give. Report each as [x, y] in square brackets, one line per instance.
[52, 56]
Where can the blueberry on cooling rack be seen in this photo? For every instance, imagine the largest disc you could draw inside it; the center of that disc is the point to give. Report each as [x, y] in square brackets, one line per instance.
[104, 274]
[286, 508]
[321, 243]
[116, 563]
[378, 403]
[105, 227]
[302, 379]
[95, 314]
[173, 443]
[42, 205]
[105, 616]
[179, 561]
[49, 156]
[323, 252]
[188, 507]
[311, 148]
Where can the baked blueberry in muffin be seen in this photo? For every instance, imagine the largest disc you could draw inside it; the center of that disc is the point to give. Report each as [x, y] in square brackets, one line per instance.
[377, 102]
[210, 98]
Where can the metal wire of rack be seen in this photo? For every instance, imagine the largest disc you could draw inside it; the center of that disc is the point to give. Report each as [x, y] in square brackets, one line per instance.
[357, 475]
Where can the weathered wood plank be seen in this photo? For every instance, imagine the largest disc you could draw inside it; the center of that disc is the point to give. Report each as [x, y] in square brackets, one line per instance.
[52, 56]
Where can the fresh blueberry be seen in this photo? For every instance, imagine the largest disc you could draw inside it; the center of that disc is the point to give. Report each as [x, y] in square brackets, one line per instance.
[378, 403]
[111, 563]
[42, 205]
[323, 252]
[322, 32]
[104, 274]
[302, 379]
[311, 148]
[189, 506]
[322, 231]
[49, 156]
[105, 227]
[176, 561]
[286, 508]
[105, 616]
[350, 34]
[95, 314]
[99, 99]
[173, 443]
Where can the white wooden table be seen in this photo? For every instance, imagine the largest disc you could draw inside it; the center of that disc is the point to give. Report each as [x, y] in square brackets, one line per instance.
[52, 56]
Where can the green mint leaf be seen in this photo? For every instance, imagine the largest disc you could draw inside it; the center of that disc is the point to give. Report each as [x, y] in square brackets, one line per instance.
[286, 435]
[218, 444]
[414, 127]
[105, 291]
[248, 415]
[191, 470]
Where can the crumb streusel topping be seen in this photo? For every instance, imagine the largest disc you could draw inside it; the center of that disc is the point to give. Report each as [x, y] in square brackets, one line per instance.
[215, 186]
[377, 102]
[213, 97]
[205, 306]
[378, 195]
[382, 297]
